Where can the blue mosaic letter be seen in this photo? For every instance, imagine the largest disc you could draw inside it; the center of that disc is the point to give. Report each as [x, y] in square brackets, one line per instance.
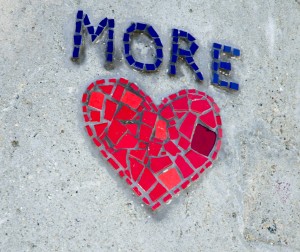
[82, 21]
[187, 55]
[149, 30]
[223, 67]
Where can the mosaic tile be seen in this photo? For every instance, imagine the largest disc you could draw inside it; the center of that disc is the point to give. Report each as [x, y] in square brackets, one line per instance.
[157, 150]
[220, 67]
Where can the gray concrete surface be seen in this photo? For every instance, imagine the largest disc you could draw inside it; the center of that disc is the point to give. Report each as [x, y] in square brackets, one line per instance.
[56, 194]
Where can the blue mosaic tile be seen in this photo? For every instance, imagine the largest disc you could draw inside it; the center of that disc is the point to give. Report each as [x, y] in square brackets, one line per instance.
[215, 66]
[194, 47]
[110, 34]
[77, 40]
[140, 26]
[215, 78]
[78, 27]
[217, 46]
[157, 63]
[225, 65]
[126, 48]
[175, 39]
[109, 57]
[93, 37]
[223, 84]
[236, 52]
[86, 20]
[189, 59]
[150, 67]
[234, 86]
[199, 76]
[111, 23]
[76, 52]
[191, 38]
[175, 33]
[99, 30]
[126, 37]
[91, 30]
[110, 47]
[172, 70]
[174, 48]
[183, 34]
[174, 58]
[158, 42]
[159, 53]
[130, 60]
[227, 49]
[194, 67]
[152, 32]
[216, 54]
[103, 22]
[80, 14]
[139, 65]
[183, 52]
[131, 28]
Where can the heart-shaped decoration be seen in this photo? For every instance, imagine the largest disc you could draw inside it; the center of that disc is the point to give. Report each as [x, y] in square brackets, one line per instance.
[159, 151]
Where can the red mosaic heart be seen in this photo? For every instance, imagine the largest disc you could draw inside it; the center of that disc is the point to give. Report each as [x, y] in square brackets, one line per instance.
[157, 150]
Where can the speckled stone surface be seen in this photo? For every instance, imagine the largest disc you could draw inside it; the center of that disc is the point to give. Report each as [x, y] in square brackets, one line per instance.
[57, 194]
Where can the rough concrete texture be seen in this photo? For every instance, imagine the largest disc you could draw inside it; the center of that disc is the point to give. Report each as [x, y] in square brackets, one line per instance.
[57, 194]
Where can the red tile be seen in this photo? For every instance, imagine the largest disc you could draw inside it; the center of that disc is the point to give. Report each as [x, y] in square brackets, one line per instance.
[200, 106]
[90, 87]
[125, 113]
[183, 143]
[99, 82]
[195, 158]
[157, 192]
[173, 133]
[182, 92]
[113, 80]
[128, 181]
[132, 127]
[184, 167]
[146, 201]
[134, 86]
[220, 132]
[161, 130]
[89, 130]
[160, 163]
[107, 89]
[188, 125]
[122, 174]
[121, 156]
[142, 145]
[99, 128]
[195, 177]
[138, 154]
[154, 149]
[123, 81]
[170, 178]
[136, 190]
[185, 184]
[131, 99]
[86, 118]
[218, 145]
[180, 114]
[209, 119]
[95, 116]
[110, 109]
[167, 112]
[84, 108]
[104, 153]
[203, 140]
[145, 132]
[155, 206]
[113, 163]
[115, 131]
[217, 109]
[214, 156]
[147, 180]
[167, 198]
[181, 104]
[208, 164]
[171, 148]
[219, 121]
[135, 168]
[96, 100]
[84, 97]
[176, 191]
[96, 142]
[118, 92]
[149, 118]
[127, 141]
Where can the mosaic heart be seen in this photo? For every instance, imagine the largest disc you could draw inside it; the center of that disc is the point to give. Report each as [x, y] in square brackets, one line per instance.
[160, 150]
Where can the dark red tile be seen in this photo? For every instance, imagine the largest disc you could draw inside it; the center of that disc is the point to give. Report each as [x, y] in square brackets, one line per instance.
[203, 140]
